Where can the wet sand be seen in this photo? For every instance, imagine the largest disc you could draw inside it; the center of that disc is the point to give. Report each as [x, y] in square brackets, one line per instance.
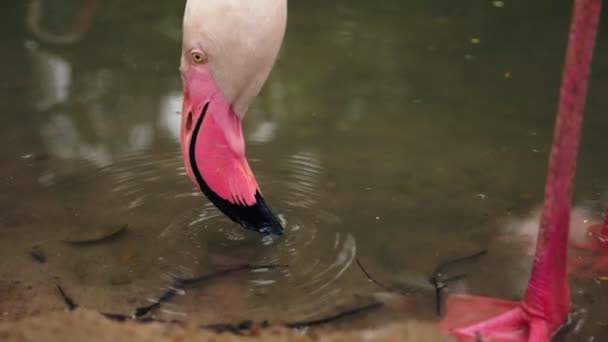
[85, 325]
[36, 312]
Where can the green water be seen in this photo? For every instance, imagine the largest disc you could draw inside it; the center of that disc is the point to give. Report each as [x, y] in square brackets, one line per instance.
[403, 133]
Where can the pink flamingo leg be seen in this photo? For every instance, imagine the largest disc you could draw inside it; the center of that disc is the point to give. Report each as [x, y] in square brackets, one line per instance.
[546, 302]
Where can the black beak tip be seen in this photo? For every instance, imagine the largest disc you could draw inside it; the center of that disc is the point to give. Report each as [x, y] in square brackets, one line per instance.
[259, 218]
[270, 228]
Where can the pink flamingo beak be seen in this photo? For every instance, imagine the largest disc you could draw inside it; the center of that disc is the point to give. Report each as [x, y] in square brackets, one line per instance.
[213, 150]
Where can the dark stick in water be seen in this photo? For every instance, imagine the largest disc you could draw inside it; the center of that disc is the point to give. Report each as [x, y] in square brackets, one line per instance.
[441, 285]
[436, 278]
[246, 325]
[330, 319]
[385, 287]
[38, 254]
[66, 299]
[439, 269]
[235, 328]
[181, 283]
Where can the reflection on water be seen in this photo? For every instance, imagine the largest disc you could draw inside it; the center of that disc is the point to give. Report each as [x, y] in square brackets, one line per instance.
[384, 133]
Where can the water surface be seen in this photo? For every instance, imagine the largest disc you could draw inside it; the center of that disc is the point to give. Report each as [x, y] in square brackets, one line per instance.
[403, 133]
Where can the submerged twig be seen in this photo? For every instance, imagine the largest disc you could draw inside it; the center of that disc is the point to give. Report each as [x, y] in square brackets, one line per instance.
[387, 288]
[446, 264]
[454, 278]
[235, 328]
[144, 310]
[97, 236]
[116, 317]
[38, 254]
[66, 299]
[340, 315]
[441, 284]
[181, 283]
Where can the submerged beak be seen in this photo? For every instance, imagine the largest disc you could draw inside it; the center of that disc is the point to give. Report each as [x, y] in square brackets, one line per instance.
[213, 150]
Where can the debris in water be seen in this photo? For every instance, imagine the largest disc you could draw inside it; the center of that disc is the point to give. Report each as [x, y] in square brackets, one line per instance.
[440, 283]
[475, 40]
[35, 156]
[340, 315]
[235, 328]
[498, 4]
[249, 325]
[180, 283]
[67, 300]
[38, 254]
[369, 277]
[95, 235]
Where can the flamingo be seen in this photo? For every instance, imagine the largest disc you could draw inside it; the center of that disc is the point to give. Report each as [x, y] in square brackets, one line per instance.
[229, 48]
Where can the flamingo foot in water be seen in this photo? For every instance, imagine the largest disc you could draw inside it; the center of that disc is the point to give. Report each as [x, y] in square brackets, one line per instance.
[475, 318]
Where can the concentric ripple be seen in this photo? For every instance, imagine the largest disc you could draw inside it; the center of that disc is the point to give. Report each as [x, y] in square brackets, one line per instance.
[174, 231]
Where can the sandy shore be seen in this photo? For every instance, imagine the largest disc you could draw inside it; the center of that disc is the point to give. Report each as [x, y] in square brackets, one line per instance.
[85, 325]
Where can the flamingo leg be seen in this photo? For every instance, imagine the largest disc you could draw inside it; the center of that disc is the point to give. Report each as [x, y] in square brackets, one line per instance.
[546, 302]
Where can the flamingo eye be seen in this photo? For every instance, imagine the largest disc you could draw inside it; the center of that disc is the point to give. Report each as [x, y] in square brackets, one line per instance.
[198, 57]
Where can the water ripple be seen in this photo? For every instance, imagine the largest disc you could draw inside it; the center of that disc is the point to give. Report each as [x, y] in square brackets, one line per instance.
[175, 231]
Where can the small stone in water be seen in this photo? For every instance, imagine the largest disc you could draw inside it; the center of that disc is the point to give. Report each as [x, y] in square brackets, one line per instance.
[498, 4]
[38, 255]
[475, 40]
[96, 235]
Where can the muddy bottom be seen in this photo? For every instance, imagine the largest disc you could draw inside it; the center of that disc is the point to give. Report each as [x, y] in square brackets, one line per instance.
[85, 325]
[398, 133]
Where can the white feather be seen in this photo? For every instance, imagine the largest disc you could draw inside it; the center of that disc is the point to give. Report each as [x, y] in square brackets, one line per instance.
[241, 39]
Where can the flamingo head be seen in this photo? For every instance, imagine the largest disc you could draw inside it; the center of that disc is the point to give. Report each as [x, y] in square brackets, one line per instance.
[229, 48]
